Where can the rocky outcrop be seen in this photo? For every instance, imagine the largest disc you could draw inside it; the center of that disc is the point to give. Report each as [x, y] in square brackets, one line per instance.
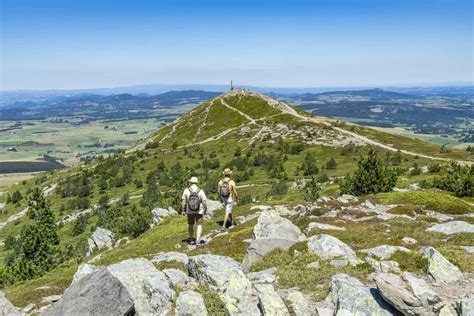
[454, 227]
[226, 277]
[270, 301]
[271, 232]
[81, 298]
[264, 276]
[322, 226]
[159, 214]
[101, 238]
[407, 293]
[190, 303]
[439, 267]
[328, 247]
[466, 306]
[170, 257]
[148, 287]
[298, 303]
[351, 297]
[384, 252]
[212, 207]
[7, 308]
[179, 279]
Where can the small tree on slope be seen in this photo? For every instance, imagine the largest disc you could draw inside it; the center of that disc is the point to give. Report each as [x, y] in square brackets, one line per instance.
[372, 176]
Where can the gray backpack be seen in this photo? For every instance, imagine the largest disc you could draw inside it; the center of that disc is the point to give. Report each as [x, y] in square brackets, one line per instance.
[224, 189]
[194, 202]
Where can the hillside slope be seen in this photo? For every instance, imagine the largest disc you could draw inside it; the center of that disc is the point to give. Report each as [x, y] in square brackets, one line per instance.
[120, 208]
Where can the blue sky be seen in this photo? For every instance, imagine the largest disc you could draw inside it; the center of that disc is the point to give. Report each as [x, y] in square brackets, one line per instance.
[72, 44]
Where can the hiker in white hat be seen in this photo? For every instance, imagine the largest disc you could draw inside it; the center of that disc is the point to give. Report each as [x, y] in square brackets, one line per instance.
[194, 205]
[228, 194]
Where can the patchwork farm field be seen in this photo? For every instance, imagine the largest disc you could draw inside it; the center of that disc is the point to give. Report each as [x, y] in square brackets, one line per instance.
[69, 143]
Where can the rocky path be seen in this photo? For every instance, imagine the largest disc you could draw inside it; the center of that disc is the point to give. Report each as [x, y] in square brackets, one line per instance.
[14, 217]
[251, 120]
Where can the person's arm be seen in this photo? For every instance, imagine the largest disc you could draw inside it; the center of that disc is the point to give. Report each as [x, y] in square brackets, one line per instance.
[204, 202]
[183, 204]
[234, 189]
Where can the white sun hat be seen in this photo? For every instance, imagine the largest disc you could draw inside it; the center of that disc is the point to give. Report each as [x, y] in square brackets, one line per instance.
[194, 180]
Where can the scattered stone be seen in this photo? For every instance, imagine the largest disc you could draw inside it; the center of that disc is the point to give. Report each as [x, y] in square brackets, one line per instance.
[7, 308]
[384, 251]
[264, 276]
[346, 198]
[258, 248]
[159, 214]
[409, 241]
[454, 227]
[148, 287]
[406, 293]
[331, 214]
[440, 217]
[27, 309]
[270, 301]
[466, 306]
[313, 265]
[226, 277]
[170, 257]
[339, 263]
[298, 304]
[468, 249]
[51, 298]
[440, 268]
[100, 239]
[328, 247]
[352, 297]
[97, 293]
[83, 270]
[190, 303]
[315, 225]
[383, 266]
[447, 310]
[324, 199]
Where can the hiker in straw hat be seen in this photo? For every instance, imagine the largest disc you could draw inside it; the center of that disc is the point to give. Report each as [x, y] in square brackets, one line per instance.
[194, 205]
[228, 194]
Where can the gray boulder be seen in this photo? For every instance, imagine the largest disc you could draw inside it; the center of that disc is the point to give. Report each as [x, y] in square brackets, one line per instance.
[351, 297]
[190, 303]
[454, 227]
[384, 252]
[315, 225]
[148, 287]
[159, 214]
[270, 302]
[466, 306]
[383, 266]
[101, 238]
[439, 267]
[298, 303]
[83, 270]
[178, 278]
[212, 207]
[328, 247]
[97, 293]
[271, 232]
[447, 310]
[227, 278]
[170, 257]
[264, 276]
[409, 241]
[346, 198]
[407, 293]
[7, 308]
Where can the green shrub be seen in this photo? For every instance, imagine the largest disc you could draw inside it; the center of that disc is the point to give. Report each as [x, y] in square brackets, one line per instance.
[459, 180]
[279, 187]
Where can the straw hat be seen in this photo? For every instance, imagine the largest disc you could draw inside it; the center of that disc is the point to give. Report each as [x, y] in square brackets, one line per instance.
[194, 180]
[227, 172]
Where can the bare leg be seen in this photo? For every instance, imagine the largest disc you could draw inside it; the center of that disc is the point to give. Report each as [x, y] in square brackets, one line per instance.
[198, 232]
[226, 218]
[191, 231]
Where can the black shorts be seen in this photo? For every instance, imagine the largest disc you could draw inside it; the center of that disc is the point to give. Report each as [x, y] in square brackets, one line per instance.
[195, 218]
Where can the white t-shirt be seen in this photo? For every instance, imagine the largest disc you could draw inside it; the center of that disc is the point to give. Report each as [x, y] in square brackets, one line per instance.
[201, 195]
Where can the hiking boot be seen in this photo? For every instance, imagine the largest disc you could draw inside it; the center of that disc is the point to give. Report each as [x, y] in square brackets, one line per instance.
[200, 242]
[191, 241]
[223, 228]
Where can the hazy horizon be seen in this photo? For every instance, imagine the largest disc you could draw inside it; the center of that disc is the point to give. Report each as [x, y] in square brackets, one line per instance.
[98, 44]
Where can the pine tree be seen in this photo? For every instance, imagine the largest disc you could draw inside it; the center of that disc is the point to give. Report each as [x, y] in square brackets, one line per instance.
[331, 164]
[312, 190]
[372, 176]
[309, 166]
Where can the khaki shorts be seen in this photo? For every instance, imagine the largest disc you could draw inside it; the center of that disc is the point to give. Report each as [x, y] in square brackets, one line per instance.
[195, 218]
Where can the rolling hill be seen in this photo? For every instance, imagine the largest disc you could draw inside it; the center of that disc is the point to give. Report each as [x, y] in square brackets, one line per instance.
[298, 238]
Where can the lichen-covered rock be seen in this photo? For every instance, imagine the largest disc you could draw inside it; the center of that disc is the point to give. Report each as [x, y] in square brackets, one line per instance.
[407, 293]
[97, 293]
[447, 310]
[466, 306]
[227, 278]
[7, 308]
[328, 247]
[454, 227]
[383, 266]
[439, 267]
[409, 241]
[190, 303]
[178, 278]
[83, 270]
[271, 232]
[171, 256]
[352, 297]
[159, 214]
[148, 287]
[298, 303]
[264, 276]
[384, 252]
[101, 238]
[315, 225]
[270, 302]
